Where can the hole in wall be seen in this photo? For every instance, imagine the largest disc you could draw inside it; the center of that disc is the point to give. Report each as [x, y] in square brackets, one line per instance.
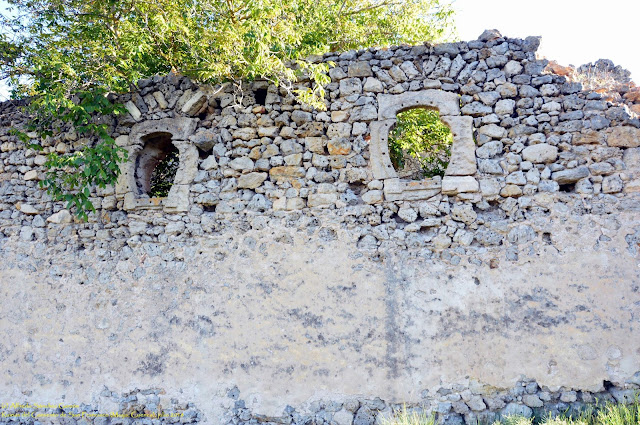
[203, 154]
[261, 96]
[419, 144]
[156, 165]
[570, 187]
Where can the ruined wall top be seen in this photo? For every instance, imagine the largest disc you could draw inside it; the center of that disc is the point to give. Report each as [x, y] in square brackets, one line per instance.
[525, 139]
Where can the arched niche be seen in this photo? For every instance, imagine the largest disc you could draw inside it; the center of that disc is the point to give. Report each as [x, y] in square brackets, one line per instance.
[462, 165]
[147, 144]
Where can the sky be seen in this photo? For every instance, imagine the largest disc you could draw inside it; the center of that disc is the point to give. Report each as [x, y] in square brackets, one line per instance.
[573, 31]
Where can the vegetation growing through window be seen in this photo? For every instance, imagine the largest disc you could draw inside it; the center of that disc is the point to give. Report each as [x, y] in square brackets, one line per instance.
[420, 144]
[163, 175]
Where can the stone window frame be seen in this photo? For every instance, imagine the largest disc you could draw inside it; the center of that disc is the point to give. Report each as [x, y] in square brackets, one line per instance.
[462, 165]
[177, 200]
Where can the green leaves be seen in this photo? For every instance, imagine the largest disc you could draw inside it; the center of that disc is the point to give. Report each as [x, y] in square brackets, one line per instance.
[70, 176]
[420, 134]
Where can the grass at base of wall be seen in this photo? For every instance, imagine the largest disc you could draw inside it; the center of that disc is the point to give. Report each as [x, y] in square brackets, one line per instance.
[607, 414]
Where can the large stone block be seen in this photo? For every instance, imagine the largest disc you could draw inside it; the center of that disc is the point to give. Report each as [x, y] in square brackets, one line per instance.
[571, 175]
[624, 137]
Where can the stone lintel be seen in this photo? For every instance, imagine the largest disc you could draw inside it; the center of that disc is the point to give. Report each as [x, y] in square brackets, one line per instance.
[180, 128]
[390, 104]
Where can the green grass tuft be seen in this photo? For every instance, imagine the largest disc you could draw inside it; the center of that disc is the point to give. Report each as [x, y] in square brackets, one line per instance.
[608, 414]
[406, 417]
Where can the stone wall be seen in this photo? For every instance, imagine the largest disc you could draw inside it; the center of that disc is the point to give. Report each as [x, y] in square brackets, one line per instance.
[290, 276]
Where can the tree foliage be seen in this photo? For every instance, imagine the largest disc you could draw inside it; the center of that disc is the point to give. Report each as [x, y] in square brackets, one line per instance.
[420, 134]
[68, 54]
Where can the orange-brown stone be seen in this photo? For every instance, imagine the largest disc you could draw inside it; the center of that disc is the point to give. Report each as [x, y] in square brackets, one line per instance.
[339, 147]
[286, 173]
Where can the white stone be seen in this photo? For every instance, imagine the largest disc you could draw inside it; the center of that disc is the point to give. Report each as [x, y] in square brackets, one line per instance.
[195, 103]
[295, 204]
[174, 228]
[408, 214]
[452, 185]
[389, 105]
[464, 213]
[209, 163]
[188, 165]
[350, 86]
[27, 209]
[251, 180]
[61, 217]
[612, 184]
[463, 158]
[242, 163]
[159, 97]
[441, 241]
[178, 199]
[133, 110]
[505, 107]
[122, 140]
[490, 188]
[339, 130]
[512, 68]
[373, 197]
[540, 153]
[26, 233]
[373, 85]
[31, 175]
[343, 417]
[322, 199]
[492, 130]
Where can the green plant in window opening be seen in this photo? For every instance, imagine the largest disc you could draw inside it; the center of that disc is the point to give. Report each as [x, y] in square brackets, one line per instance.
[163, 175]
[420, 144]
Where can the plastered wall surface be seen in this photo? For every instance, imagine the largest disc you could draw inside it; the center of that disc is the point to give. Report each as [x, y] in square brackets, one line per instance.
[291, 277]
